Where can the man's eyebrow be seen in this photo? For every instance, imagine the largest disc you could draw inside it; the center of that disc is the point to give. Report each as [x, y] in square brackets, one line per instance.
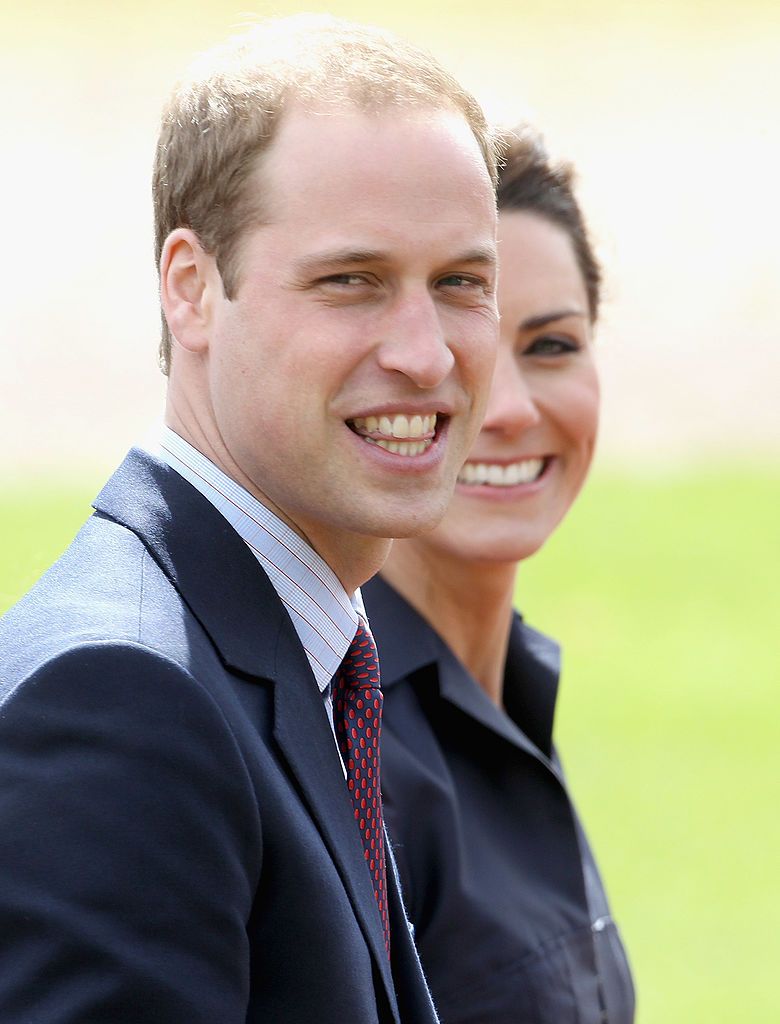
[487, 255]
[339, 258]
[543, 319]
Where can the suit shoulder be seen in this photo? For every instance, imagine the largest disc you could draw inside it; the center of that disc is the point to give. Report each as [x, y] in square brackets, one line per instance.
[106, 589]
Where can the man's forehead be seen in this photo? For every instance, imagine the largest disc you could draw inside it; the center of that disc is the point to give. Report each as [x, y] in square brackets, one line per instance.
[429, 156]
[349, 133]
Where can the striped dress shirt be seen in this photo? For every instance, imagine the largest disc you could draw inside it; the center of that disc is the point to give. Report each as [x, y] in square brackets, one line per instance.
[324, 616]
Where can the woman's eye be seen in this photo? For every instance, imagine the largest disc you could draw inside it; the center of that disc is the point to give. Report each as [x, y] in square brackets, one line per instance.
[551, 345]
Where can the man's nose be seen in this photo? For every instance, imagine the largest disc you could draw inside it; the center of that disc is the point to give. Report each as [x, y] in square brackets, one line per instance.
[413, 341]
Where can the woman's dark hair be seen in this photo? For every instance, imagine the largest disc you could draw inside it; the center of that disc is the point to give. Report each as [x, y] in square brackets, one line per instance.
[528, 181]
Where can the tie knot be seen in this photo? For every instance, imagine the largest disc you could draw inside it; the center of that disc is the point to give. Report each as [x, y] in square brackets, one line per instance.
[360, 666]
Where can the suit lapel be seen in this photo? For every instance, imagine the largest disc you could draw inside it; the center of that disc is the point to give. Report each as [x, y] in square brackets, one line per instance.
[238, 607]
[208, 563]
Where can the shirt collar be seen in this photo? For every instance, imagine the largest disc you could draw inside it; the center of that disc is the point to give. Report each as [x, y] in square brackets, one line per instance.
[531, 682]
[407, 643]
[325, 617]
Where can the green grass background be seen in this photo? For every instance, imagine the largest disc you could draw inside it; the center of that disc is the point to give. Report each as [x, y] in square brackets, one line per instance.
[664, 594]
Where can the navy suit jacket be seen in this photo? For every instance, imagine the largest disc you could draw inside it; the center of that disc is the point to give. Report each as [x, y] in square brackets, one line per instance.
[176, 839]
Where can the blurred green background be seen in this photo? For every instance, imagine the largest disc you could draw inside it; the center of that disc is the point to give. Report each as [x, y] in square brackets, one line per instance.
[662, 584]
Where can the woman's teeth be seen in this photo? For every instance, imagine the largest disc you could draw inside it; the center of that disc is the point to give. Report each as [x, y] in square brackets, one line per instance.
[493, 475]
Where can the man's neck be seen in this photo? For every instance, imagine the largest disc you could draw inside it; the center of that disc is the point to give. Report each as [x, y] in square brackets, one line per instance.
[353, 557]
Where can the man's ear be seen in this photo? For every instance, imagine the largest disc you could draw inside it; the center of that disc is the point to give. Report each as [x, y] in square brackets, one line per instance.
[188, 280]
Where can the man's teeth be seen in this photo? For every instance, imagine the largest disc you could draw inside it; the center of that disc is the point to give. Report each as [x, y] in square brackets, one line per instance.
[411, 435]
[396, 426]
[501, 476]
[401, 447]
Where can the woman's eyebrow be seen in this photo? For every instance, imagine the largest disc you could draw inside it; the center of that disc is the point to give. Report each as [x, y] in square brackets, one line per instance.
[543, 319]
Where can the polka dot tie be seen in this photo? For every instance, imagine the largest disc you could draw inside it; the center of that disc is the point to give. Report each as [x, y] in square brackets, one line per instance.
[357, 701]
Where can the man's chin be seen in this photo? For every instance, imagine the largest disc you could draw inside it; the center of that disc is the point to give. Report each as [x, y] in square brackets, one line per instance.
[422, 521]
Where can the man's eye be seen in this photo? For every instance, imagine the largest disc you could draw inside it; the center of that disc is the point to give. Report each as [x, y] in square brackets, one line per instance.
[344, 280]
[551, 345]
[460, 281]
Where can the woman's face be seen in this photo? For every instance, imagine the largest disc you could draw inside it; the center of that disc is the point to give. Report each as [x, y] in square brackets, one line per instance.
[535, 447]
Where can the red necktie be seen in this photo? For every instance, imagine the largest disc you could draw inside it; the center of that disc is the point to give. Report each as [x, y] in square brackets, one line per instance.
[357, 702]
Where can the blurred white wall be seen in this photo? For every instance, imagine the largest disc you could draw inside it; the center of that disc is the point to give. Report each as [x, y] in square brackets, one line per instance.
[670, 112]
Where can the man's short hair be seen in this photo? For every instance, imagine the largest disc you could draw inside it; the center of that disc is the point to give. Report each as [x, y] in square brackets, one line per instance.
[221, 118]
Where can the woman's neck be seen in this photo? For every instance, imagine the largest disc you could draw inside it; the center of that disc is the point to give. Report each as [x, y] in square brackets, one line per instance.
[469, 604]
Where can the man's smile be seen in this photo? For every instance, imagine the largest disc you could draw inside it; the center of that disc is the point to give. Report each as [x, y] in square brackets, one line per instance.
[402, 433]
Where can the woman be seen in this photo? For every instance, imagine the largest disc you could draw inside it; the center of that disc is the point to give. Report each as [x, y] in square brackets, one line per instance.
[510, 915]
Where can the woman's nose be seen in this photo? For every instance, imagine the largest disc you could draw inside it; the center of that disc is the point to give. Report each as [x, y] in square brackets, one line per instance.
[511, 406]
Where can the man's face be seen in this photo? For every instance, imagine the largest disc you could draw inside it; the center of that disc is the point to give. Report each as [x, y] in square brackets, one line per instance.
[348, 375]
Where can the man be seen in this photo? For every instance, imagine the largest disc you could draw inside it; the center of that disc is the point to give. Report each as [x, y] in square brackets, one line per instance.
[182, 835]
